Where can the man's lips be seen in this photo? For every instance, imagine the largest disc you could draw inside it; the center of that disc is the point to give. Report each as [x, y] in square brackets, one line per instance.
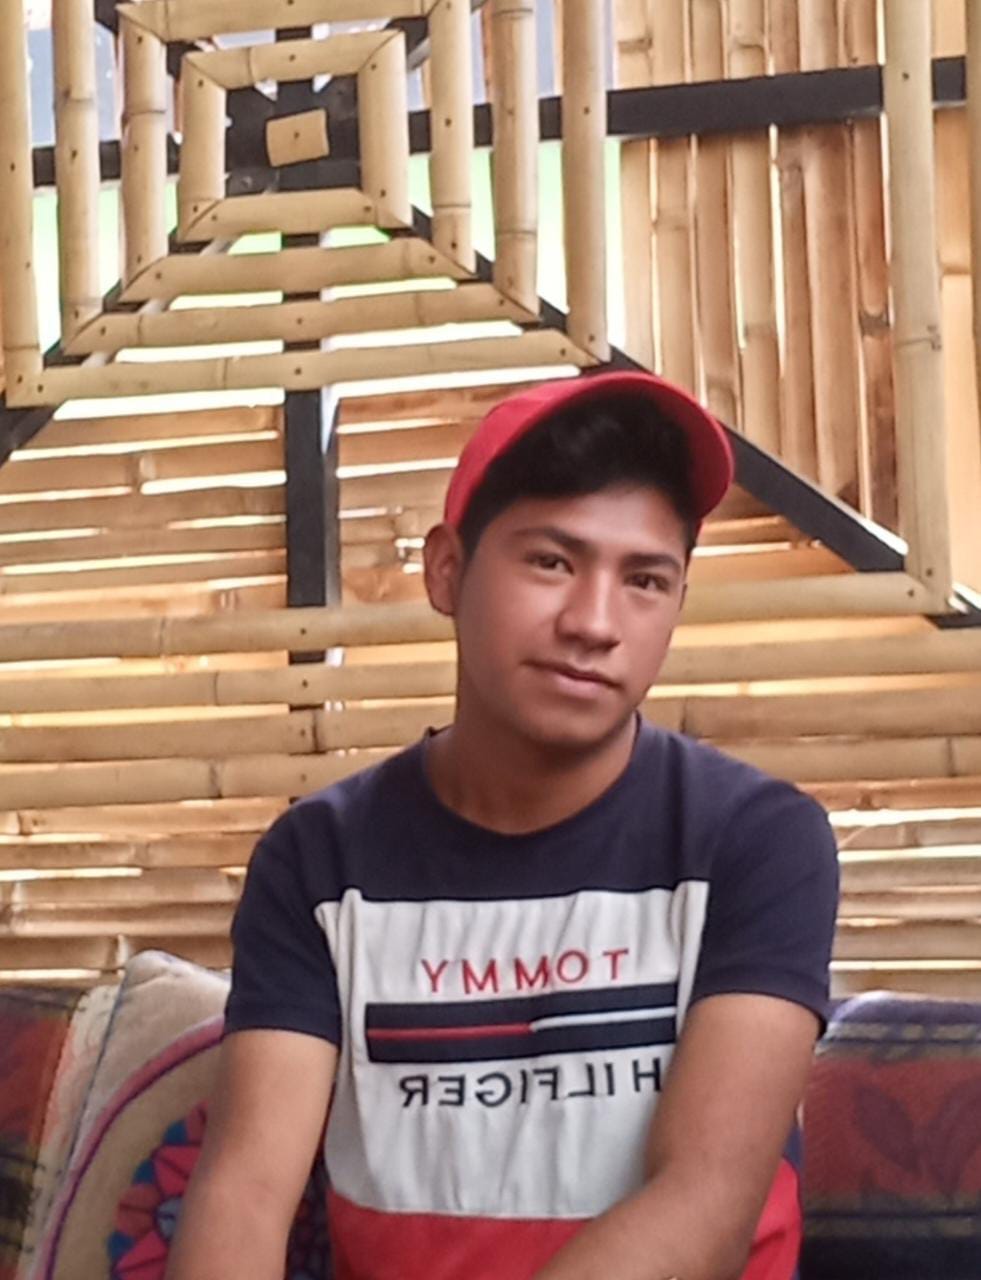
[582, 674]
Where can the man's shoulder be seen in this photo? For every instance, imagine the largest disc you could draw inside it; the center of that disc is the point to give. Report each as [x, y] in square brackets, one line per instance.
[735, 790]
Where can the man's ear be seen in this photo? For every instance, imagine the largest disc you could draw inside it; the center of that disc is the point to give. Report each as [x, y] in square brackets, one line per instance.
[443, 561]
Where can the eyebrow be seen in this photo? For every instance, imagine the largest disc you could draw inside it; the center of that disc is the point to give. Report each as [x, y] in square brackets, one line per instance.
[579, 546]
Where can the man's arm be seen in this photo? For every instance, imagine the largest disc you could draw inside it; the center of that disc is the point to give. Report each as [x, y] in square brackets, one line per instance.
[265, 1122]
[715, 1144]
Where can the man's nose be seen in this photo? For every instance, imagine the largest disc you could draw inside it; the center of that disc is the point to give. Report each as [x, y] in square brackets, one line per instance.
[589, 612]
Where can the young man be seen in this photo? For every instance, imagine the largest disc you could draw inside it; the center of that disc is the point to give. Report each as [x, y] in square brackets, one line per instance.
[562, 971]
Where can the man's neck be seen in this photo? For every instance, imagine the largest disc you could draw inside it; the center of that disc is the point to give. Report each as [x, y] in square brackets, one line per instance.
[505, 783]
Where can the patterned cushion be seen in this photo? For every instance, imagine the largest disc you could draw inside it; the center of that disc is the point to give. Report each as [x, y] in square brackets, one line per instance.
[121, 1199]
[49, 1043]
[892, 1137]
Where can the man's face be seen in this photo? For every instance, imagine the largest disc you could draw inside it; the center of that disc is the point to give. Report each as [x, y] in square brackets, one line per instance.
[565, 612]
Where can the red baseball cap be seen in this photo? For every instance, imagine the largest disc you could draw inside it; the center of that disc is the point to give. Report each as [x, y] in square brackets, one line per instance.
[712, 465]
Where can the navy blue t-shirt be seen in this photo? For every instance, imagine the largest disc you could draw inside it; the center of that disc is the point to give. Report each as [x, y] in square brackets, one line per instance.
[506, 1006]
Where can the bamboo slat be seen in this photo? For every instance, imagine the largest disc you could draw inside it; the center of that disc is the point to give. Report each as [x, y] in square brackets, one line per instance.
[754, 247]
[451, 114]
[38, 474]
[633, 24]
[384, 129]
[142, 512]
[154, 781]
[514, 101]
[909, 941]
[958, 982]
[584, 174]
[952, 905]
[951, 651]
[303, 630]
[76, 161]
[928, 832]
[878, 874]
[713, 261]
[165, 853]
[179, 920]
[910, 713]
[291, 212]
[304, 370]
[920, 424]
[798, 446]
[292, 734]
[298, 321]
[908, 793]
[830, 231]
[198, 19]
[673, 229]
[149, 890]
[301, 270]
[153, 542]
[878, 455]
[143, 148]
[175, 600]
[201, 173]
[18, 299]
[141, 429]
[125, 822]
[80, 578]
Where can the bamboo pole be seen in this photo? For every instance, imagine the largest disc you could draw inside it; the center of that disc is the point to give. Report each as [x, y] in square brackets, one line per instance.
[303, 630]
[916, 941]
[451, 114]
[142, 511]
[151, 542]
[383, 116]
[514, 104]
[920, 422]
[304, 370]
[268, 564]
[290, 60]
[298, 321]
[18, 298]
[137, 430]
[290, 212]
[163, 853]
[878, 455]
[201, 177]
[798, 445]
[584, 174]
[973, 15]
[301, 270]
[754, 246]
[713, 261]
[634, 26]
[76, 161]
[292, 734]
[143, 148]
[935, 652]
[831, 269]
[673, 228]
[162, 780]
[175, 20]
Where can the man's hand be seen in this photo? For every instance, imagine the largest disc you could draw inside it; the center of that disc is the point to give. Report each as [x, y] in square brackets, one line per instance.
[719, 1130]
[265, 1122]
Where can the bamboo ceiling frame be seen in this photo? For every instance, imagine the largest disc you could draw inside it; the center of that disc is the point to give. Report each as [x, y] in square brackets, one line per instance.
[375, 58]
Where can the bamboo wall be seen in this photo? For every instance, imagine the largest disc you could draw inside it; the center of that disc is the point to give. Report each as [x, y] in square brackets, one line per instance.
[149, 731]
[758, 269]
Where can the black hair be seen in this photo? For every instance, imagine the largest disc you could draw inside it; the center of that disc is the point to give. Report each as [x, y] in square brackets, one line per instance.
[619, 441]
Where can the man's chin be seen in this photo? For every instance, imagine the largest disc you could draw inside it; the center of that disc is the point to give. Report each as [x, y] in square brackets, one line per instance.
[575, 735]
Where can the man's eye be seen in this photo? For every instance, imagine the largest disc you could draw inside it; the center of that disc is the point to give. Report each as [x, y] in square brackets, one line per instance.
[546, 560]
[649, 582]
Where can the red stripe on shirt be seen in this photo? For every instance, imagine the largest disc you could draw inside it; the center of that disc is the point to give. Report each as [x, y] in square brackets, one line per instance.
[367, 1244]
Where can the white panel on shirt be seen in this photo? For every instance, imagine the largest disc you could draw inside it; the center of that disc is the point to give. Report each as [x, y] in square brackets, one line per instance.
[554, 1136]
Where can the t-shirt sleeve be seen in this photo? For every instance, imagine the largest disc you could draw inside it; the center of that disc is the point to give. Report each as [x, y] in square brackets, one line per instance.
[283, 977]
[772, 904]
